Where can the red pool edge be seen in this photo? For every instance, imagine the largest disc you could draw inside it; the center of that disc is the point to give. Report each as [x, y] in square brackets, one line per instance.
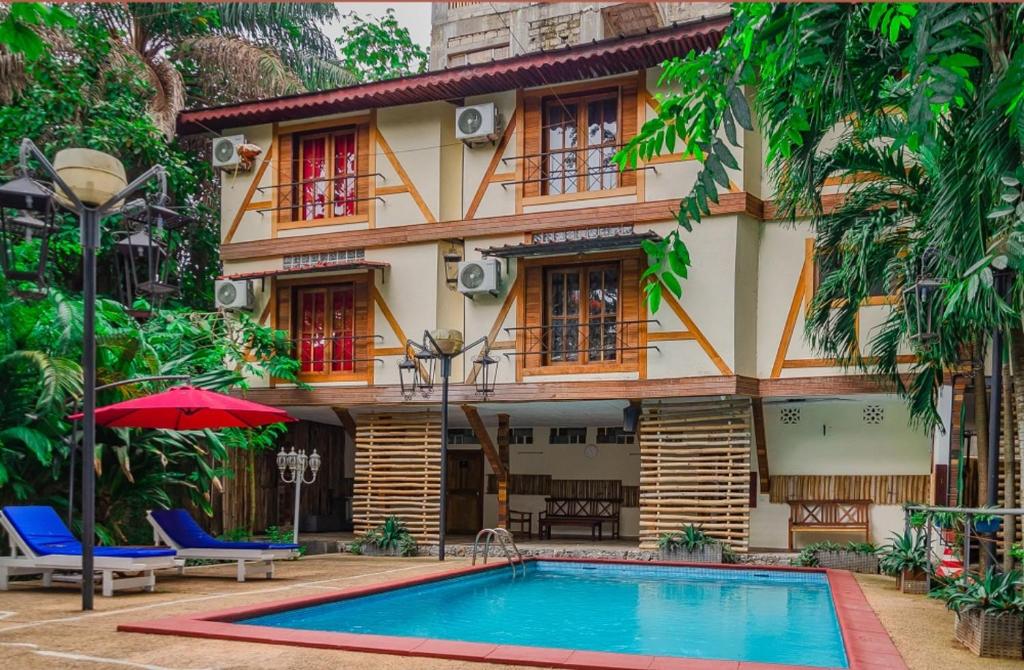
[868, 645]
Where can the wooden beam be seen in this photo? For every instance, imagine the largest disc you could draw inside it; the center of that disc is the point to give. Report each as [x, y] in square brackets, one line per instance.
[691, 328]
[506, 474]
[757, 408]
[480, 430]
[347, 422]
[485, 181]
[253, 185]
[513, 293]
[404, 176]
[509, 224]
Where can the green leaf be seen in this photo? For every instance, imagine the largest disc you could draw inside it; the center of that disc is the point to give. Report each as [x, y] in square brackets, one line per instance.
[739, 107]
[654, 297]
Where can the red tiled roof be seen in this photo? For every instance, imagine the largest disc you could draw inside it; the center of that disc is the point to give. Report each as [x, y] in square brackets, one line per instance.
[598, 59]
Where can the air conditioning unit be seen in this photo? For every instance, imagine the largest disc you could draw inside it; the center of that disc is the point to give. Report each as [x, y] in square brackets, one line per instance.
[234, 294]
[482, 276]
[225, 151]
[477, 124]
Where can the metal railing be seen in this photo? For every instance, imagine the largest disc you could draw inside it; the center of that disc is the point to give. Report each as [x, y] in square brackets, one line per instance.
[987, 541]
[507, 544]
[594, 342]
[331, 346]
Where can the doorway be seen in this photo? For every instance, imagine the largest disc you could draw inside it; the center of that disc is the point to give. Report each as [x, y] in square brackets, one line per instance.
[465, 491]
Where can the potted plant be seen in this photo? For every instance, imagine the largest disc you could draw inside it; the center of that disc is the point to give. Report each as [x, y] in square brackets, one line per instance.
[952, 525]
[904, 557]
[989, 612]
[691, 545]
[391, 538]
[984, 524]
[854, 556]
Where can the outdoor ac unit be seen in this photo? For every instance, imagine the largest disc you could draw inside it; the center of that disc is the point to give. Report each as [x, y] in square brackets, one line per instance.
[234, 294]
[477, 124]
[225, 151]
[482, 276]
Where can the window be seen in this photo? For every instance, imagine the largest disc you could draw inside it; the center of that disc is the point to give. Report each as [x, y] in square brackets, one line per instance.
[567, 436]
[579, 136]
[325, 329]
[327, 175]
[581, 314]
[520, 436]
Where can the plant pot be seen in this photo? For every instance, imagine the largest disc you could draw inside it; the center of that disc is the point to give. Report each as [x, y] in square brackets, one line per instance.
[854, 561]
[374, 550]
[913, 581]
[988, 526]
[990, 635]
[949, 536]
[709, 553]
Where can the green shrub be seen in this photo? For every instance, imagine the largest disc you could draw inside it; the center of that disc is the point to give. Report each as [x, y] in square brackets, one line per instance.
[392, 535]
[992, 593]
[276, 535]
[808, 556]
[690, 539]
[904, 551]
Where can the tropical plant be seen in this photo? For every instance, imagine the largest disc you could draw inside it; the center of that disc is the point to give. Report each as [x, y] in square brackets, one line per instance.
[382, 49]
[390, 536]
[994, 593]
[808, 556]
[278, 535]
[690, 539]
[904, 553]
[915, 110]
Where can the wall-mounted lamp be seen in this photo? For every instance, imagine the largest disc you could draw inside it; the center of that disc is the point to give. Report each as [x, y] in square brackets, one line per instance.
[452, 257]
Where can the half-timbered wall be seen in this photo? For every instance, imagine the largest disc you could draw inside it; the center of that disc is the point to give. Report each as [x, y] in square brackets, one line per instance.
[695, 469]
[398, 472]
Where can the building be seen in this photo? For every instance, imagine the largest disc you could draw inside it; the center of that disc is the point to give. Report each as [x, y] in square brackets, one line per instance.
[468, 33]
[342, 228]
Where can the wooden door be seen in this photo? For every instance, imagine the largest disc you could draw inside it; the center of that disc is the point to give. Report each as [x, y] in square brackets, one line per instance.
[465, 491]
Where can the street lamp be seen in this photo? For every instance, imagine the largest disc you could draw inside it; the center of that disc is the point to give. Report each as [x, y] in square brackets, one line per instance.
[92, 185]
[417, 374]
[293, 466]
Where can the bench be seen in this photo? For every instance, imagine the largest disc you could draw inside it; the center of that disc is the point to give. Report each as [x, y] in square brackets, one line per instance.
[593, 512]
[829, 516]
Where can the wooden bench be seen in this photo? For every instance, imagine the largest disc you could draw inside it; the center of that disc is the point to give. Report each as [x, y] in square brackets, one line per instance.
[829, 516]
[593, 512]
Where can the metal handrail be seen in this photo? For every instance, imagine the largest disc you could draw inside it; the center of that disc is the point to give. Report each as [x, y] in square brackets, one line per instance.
[536, 339]
[504, 539]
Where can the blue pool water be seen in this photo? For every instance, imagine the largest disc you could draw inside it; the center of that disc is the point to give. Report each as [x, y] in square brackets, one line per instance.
[747, 615]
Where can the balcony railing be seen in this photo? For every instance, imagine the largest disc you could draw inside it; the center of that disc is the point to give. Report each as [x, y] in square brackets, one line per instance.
[333, 354]
[573, 169]
[600, 341]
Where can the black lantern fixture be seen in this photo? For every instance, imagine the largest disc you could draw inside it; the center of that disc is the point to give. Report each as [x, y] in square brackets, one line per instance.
[34, 220]
[142, 253]
[408, 377]
[452, 258]
[922, 302]
[487, 374]
[426, 367]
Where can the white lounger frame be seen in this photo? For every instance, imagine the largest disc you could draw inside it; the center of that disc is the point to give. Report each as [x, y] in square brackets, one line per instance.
[23, 561]
[250, 562]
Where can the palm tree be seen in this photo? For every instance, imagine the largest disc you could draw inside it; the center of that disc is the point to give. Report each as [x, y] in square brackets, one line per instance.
[209, 53]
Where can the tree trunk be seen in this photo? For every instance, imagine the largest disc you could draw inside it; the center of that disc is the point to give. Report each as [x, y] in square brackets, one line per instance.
[1008, 444]
[980, 424]
[1017, 364]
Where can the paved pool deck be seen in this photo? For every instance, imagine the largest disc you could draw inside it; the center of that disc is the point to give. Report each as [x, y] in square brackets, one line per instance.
[43, 628]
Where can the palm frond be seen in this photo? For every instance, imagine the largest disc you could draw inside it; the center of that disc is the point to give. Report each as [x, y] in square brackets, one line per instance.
[248, 71]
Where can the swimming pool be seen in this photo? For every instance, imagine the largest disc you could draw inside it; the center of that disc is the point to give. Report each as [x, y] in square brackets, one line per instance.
[744, 615]
[609, 614]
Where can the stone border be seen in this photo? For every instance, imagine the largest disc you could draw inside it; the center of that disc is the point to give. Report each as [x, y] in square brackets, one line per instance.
[868, 645]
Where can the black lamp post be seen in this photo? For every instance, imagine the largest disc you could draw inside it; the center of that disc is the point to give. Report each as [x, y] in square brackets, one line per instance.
[417, 374]
[92, 185]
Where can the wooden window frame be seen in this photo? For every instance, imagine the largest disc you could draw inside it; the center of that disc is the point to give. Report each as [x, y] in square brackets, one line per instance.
[631, 308]
[583, 316]
[330, 156]
[583, 146]
[870, 300]
[287, 318]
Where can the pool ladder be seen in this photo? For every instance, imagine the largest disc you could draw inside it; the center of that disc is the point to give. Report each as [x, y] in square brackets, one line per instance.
[507, 544]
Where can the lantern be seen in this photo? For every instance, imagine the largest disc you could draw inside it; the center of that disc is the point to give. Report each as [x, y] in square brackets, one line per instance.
[487, 375]
[35, 220]
[922, 305]
[142, 254]
[314, 462]
[451, 259]
[426, 364]
[282, 461]
[408, 376]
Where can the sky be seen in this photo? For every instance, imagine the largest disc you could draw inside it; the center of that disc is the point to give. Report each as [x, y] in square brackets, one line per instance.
[413, 15]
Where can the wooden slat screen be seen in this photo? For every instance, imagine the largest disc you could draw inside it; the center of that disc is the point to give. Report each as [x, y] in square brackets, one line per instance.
[398, 472]
[879, 489]
[695, 468]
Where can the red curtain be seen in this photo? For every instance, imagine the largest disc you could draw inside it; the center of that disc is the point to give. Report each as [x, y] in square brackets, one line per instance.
[314, 173]
[344, 174]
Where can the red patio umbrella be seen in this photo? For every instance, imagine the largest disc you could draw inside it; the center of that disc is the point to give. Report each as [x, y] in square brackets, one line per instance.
[187, 408]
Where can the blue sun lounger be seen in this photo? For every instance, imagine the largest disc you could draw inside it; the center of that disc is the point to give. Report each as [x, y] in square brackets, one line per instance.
[41, 544]
[177, 529]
